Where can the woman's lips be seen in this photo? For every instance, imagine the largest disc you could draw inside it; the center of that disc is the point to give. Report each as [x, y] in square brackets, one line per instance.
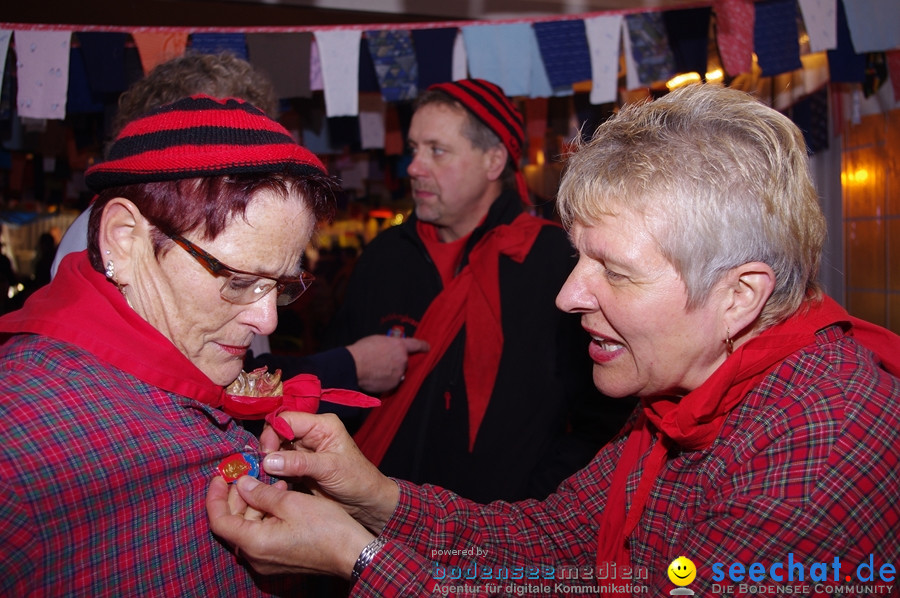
[237, 350]
[604, 350]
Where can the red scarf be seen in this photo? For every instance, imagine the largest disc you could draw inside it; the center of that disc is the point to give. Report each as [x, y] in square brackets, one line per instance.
[83, 308]
[472, 299]
[694, 421]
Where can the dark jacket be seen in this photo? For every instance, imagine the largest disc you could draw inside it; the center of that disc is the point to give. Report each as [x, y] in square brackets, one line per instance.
[545, 419]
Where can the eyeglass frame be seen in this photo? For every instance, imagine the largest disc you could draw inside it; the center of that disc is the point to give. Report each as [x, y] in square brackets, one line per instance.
[216, 267]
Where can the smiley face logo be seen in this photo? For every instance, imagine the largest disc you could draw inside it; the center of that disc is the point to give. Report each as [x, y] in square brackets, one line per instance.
[682, 571]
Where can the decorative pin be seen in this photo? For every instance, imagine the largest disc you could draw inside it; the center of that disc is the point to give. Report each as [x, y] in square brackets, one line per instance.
[237, 465]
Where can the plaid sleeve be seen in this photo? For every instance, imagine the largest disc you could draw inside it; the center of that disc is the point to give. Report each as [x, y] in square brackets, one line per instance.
[816, 475]
[439, 542]
[19, 551]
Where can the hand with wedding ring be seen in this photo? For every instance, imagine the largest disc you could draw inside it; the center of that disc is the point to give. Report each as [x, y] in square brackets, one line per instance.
[323, 531]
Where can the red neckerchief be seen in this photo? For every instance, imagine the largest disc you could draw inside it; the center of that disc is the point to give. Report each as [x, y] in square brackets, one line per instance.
[694, 421]
[472, 298]
[446, 256]
[83, 308]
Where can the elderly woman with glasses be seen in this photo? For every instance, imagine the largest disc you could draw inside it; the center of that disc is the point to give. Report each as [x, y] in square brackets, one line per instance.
[111, 378]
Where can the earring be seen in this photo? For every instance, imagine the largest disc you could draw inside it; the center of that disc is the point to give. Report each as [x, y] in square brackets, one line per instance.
[111, 270]
[729, 342]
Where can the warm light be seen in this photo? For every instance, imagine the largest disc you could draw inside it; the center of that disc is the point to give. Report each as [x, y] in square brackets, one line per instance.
[858, 177]
[715, 76]
[682, 80]
[539, 158]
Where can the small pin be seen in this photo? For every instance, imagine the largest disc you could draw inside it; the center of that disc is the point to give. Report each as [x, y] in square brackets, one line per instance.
[237, 465]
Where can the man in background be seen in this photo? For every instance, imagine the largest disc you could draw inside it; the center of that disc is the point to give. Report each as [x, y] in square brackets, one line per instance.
[502, 405]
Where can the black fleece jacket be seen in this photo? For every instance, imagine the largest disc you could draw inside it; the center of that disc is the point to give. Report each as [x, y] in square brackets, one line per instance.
[545, 419]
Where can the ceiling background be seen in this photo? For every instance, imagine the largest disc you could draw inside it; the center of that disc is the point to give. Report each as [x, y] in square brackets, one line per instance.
[250, 13]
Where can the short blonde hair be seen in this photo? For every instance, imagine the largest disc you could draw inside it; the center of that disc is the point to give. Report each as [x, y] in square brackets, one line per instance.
[723, 178]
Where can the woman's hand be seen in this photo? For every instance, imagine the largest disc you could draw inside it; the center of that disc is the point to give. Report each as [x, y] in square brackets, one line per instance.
[299, 533]
[329, 464]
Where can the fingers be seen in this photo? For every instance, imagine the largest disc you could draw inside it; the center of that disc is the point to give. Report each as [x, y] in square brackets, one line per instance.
[415, 345]
[222, 521]
[269, 440]
[259, 496]
[217, 499]
[236, 504]
[291, 464]
[302, 425]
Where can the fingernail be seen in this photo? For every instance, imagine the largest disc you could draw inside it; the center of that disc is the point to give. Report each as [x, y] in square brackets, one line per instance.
[274, 463]
[247, 482]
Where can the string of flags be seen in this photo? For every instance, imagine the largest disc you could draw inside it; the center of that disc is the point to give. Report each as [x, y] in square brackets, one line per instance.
[64, 69]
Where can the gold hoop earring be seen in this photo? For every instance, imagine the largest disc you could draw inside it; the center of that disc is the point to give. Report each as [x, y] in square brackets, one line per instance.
[729, 342]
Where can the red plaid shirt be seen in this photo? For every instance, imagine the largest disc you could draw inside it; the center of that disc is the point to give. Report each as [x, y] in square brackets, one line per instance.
[103, 480]
[805, 470]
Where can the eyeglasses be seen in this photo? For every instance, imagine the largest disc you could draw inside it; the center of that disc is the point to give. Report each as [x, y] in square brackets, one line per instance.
[244, 288]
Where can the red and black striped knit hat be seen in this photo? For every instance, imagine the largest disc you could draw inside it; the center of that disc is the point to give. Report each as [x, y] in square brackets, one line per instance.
[491, 106]
[201, 136]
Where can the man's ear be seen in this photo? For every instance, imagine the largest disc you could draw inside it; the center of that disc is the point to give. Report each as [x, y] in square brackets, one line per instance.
[496, 161]
[749, 287]
[118, 236]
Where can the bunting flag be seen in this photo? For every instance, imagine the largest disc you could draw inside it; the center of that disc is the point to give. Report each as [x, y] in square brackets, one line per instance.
[874, 24]
[339, 55]
[43, 73]
[734, 34]
[540, 81]
[688, 34]
[565, 52]
[844, 64]
[604, 35]
[158, 47]
[820, 20]
[268, 52]
[775, 37]
[460, 58]
[371, 121]
[503, 55]
[368, 79]
[534, 58]
[5, 35]
[810, 114]
[648, 56]
[216, 43]
[80, 98]
[316, 136]
[315, 68]
[434, 54]
[893, 62]
[104, 60]
[395, 63]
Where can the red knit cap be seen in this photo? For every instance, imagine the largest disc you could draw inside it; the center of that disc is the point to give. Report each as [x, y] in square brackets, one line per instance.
[201, 136]
[491, 106]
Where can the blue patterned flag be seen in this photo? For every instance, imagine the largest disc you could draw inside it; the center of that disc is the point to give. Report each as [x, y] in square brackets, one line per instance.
[650, 50]
[565, 52]
[775, 37]
[216, 43]
[395, 63]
